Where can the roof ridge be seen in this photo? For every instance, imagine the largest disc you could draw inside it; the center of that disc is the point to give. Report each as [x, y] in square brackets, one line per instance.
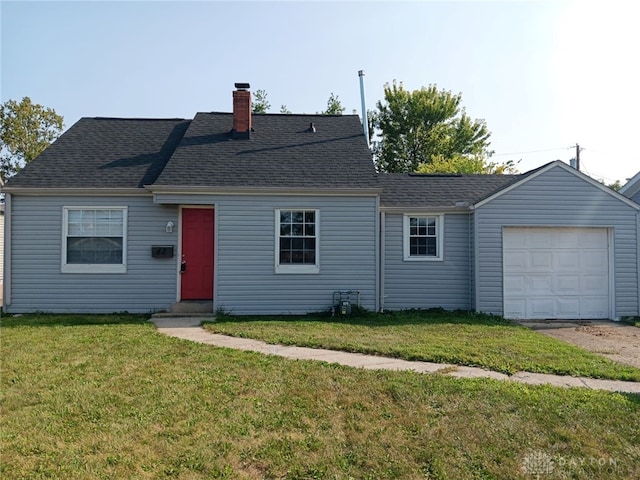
[154, 119]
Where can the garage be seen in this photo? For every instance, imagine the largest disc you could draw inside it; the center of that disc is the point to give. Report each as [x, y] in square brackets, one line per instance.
[556, 273]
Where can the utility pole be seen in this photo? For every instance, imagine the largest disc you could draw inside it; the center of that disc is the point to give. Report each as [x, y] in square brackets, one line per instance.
[578, 157]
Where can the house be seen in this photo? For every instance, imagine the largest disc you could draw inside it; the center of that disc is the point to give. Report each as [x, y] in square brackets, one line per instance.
[272, 214]
[631, 189]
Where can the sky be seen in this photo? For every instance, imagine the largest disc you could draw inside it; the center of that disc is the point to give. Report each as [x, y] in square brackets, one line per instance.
[544, 75]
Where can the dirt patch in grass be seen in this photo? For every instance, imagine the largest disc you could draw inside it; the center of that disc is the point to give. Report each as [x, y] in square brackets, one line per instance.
[616, 341]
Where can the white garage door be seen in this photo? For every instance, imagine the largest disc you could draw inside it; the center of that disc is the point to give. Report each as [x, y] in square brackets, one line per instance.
[560, 273]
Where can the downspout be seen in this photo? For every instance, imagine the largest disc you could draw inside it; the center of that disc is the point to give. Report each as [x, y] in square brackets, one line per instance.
[6, 300]
[476, 297]
[471, 243]
[638, 261]
[382, 255]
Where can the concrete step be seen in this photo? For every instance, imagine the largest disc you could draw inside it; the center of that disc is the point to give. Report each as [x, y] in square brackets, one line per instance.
[192, 306]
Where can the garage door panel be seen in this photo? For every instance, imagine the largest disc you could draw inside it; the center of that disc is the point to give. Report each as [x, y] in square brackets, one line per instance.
[567, 284]
[593, 237]
[565, 238]
[515, 284]
[556, 272]
[540, 307]
[539, 238]
[594, 260]
[592, 307]
[515, 261]
[566, 260]
[594, 284]
[515, 307]
[539, 284]
[566, 307]
[540, 260]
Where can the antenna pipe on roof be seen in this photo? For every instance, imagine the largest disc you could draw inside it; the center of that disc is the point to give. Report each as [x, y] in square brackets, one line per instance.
[365, 121]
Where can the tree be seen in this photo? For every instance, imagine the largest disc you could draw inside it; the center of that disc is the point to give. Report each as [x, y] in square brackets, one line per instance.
[26, 129]
[285, 110]
[334, 107]
[466, 165]
[260, 102]
[425, 125]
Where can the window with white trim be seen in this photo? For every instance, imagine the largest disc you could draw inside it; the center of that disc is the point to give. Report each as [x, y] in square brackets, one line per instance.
[94, 240]
[422, 237]
[297, 241]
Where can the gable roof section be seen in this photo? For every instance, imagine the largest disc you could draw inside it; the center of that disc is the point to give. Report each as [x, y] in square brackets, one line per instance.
[281, 153]
[557, 164]
[632, 187]
[104, 153]
[434, 191]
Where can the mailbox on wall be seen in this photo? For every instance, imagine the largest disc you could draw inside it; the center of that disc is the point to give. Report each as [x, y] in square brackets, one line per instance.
[162, 251]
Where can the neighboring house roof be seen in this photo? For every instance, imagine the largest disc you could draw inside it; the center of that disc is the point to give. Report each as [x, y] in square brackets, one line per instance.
[632, 187]
[282, 152]
[104, 153]
[439, 190]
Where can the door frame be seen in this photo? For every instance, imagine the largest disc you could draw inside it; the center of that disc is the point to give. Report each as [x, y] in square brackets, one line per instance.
[215, 250]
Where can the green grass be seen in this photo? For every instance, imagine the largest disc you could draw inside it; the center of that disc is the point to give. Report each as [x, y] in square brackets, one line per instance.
[461, 338]
[109, 397]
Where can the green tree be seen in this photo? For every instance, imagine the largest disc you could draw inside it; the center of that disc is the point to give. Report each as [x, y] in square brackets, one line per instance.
[26, 129]
[260, 104]
[425, 125]
[334, 106]
[466, 165]
[285, 110]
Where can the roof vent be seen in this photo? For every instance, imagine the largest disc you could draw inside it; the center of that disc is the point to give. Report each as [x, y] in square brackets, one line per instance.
[312, 128]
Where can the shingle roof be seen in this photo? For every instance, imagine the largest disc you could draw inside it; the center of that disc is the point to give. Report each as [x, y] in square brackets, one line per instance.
[282, 152]
[424, 191]
[105, 153]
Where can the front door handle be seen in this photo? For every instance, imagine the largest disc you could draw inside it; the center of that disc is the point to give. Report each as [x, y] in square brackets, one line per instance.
[183, 266]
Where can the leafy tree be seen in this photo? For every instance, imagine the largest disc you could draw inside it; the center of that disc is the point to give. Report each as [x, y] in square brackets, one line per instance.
[334, 107]
[425, 125]
[466, 165]
[285, 110]
[260, 103]
[26, 129]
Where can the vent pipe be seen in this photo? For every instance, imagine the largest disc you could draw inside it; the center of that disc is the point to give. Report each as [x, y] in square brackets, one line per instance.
[365, 121]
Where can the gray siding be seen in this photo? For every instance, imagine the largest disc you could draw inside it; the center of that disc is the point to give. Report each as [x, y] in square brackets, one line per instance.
[428, 284]
[36, 238]
[245, 280]
[555, 198]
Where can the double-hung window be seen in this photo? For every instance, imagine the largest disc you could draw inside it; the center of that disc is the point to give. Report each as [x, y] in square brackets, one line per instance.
[297, 241]
[423, 237]
[94, 240]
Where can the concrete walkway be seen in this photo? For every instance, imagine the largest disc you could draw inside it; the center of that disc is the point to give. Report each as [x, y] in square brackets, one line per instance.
[188, 328]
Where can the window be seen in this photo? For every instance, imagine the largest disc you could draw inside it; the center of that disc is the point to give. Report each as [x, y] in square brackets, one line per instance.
[94, 240]
[297, 241]
[423, 237]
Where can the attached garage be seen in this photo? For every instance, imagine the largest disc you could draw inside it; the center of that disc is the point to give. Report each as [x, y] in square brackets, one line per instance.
[556, 273]
[556, 244]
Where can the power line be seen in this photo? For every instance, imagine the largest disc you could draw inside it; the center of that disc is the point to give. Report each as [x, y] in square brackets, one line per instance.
[531, 151]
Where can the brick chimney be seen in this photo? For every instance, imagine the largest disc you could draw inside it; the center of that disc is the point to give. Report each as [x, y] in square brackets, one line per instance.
[242, 111]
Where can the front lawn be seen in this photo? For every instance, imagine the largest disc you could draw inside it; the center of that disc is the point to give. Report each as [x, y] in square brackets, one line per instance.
[461, 338]
[110, 397]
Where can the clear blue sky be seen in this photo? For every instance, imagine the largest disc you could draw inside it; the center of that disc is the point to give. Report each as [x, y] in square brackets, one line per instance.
[544, 75]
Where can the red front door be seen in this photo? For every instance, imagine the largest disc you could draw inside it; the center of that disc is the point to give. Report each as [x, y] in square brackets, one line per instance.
[197, 254]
